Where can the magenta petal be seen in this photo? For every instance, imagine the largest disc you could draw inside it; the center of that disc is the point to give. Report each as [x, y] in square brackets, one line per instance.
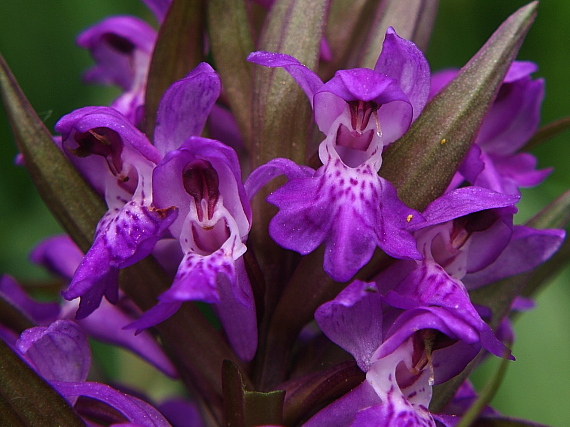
[272, 169]
[135, 410]
[196, 279]
[353, 320]
[185, 106]
[513, 118]
[461, 202]
[527, 249]
[41, 313]
[113, 43]
[106, 323]
[401, 60]
[157, 314]
[341, 413]
[237, 313]
[304, 219]
[59, 254]
[304, 77]
[181, 413]
[59, 352]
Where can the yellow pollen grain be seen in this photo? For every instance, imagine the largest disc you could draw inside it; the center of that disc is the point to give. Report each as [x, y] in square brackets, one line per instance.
[409, 217]
[443, 141]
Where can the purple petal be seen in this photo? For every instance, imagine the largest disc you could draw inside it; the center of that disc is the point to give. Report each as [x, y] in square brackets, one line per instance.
[59, 352]
[135, 410]
[237, 312]
[429, 287]
[461, 202]
[115, 44]
[401, 60]
[196, 279]
[185, 106]
[181, 413]
[272, 169]
[508, 173]
[106, 323]
[157, 314]
[168, 183]
[40, 313]
[439, 80]
[58, 254]
[527, 249]
[304, 77]
[362, 84]
[342, 412]
[355, 314]
[352, 210]
[513, 118]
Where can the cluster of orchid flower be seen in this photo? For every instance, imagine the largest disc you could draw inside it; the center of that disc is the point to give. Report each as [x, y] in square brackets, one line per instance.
[377, 311]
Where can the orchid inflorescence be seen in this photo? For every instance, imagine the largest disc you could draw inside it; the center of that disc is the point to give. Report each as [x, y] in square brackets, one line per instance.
[341, 212]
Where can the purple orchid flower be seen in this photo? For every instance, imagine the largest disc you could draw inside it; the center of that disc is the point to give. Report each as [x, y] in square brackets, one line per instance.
[403, 354]
[420, 326]
[122, 48]
[345, 204]
[60, 354]
[61, 256]
[118, 161]
[493, 161]
[203, 179]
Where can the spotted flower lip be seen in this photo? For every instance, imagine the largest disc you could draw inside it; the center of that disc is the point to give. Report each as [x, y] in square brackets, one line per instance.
[345, 204]
[118, 161]
[203, 179]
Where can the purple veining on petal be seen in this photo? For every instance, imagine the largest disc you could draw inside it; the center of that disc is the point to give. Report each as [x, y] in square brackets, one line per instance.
[185, 106]
[135, 410]
[59, 352]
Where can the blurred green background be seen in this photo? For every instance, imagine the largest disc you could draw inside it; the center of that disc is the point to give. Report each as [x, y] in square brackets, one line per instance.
[37, 41]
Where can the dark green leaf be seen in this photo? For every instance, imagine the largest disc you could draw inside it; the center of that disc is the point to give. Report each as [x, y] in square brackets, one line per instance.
[70, 199]
[422, 162]
[412, 20]
[245, 408]
[29, 397]
[178, 49]
[231, 42]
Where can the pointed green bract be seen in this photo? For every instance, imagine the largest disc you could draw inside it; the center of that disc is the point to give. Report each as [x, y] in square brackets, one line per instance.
[69, 198]
[423, 161]
[231, 42]
[244, 408]
[413, 20]
[27, 397]
[178, 49]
